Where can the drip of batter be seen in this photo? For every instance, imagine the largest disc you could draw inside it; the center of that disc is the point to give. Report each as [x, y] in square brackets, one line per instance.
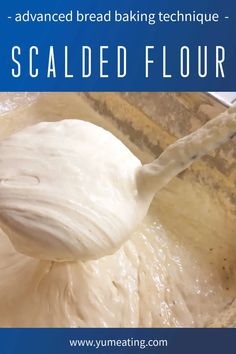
[70, 190]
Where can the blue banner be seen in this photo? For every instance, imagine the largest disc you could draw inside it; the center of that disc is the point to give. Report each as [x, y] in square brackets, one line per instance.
[129, 45]
[166, 341]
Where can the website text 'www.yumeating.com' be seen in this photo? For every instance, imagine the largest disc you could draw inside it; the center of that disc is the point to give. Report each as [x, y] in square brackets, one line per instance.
[128, 342]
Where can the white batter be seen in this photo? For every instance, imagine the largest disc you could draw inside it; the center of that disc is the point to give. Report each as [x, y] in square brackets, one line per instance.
[70, 190]
[158, 278]
[67, 191]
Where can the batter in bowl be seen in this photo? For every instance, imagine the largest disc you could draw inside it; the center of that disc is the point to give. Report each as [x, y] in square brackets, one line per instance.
[70, 190]
[139, 285]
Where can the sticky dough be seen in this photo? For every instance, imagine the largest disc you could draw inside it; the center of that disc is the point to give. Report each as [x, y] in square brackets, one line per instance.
[168, 274]
[164, 276]
[72, 191]
[67, 191]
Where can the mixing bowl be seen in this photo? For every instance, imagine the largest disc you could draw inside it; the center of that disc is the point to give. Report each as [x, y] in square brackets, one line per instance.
[182, 258]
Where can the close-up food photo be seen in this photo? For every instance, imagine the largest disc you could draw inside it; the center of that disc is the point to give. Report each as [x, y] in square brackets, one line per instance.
[117, 210]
